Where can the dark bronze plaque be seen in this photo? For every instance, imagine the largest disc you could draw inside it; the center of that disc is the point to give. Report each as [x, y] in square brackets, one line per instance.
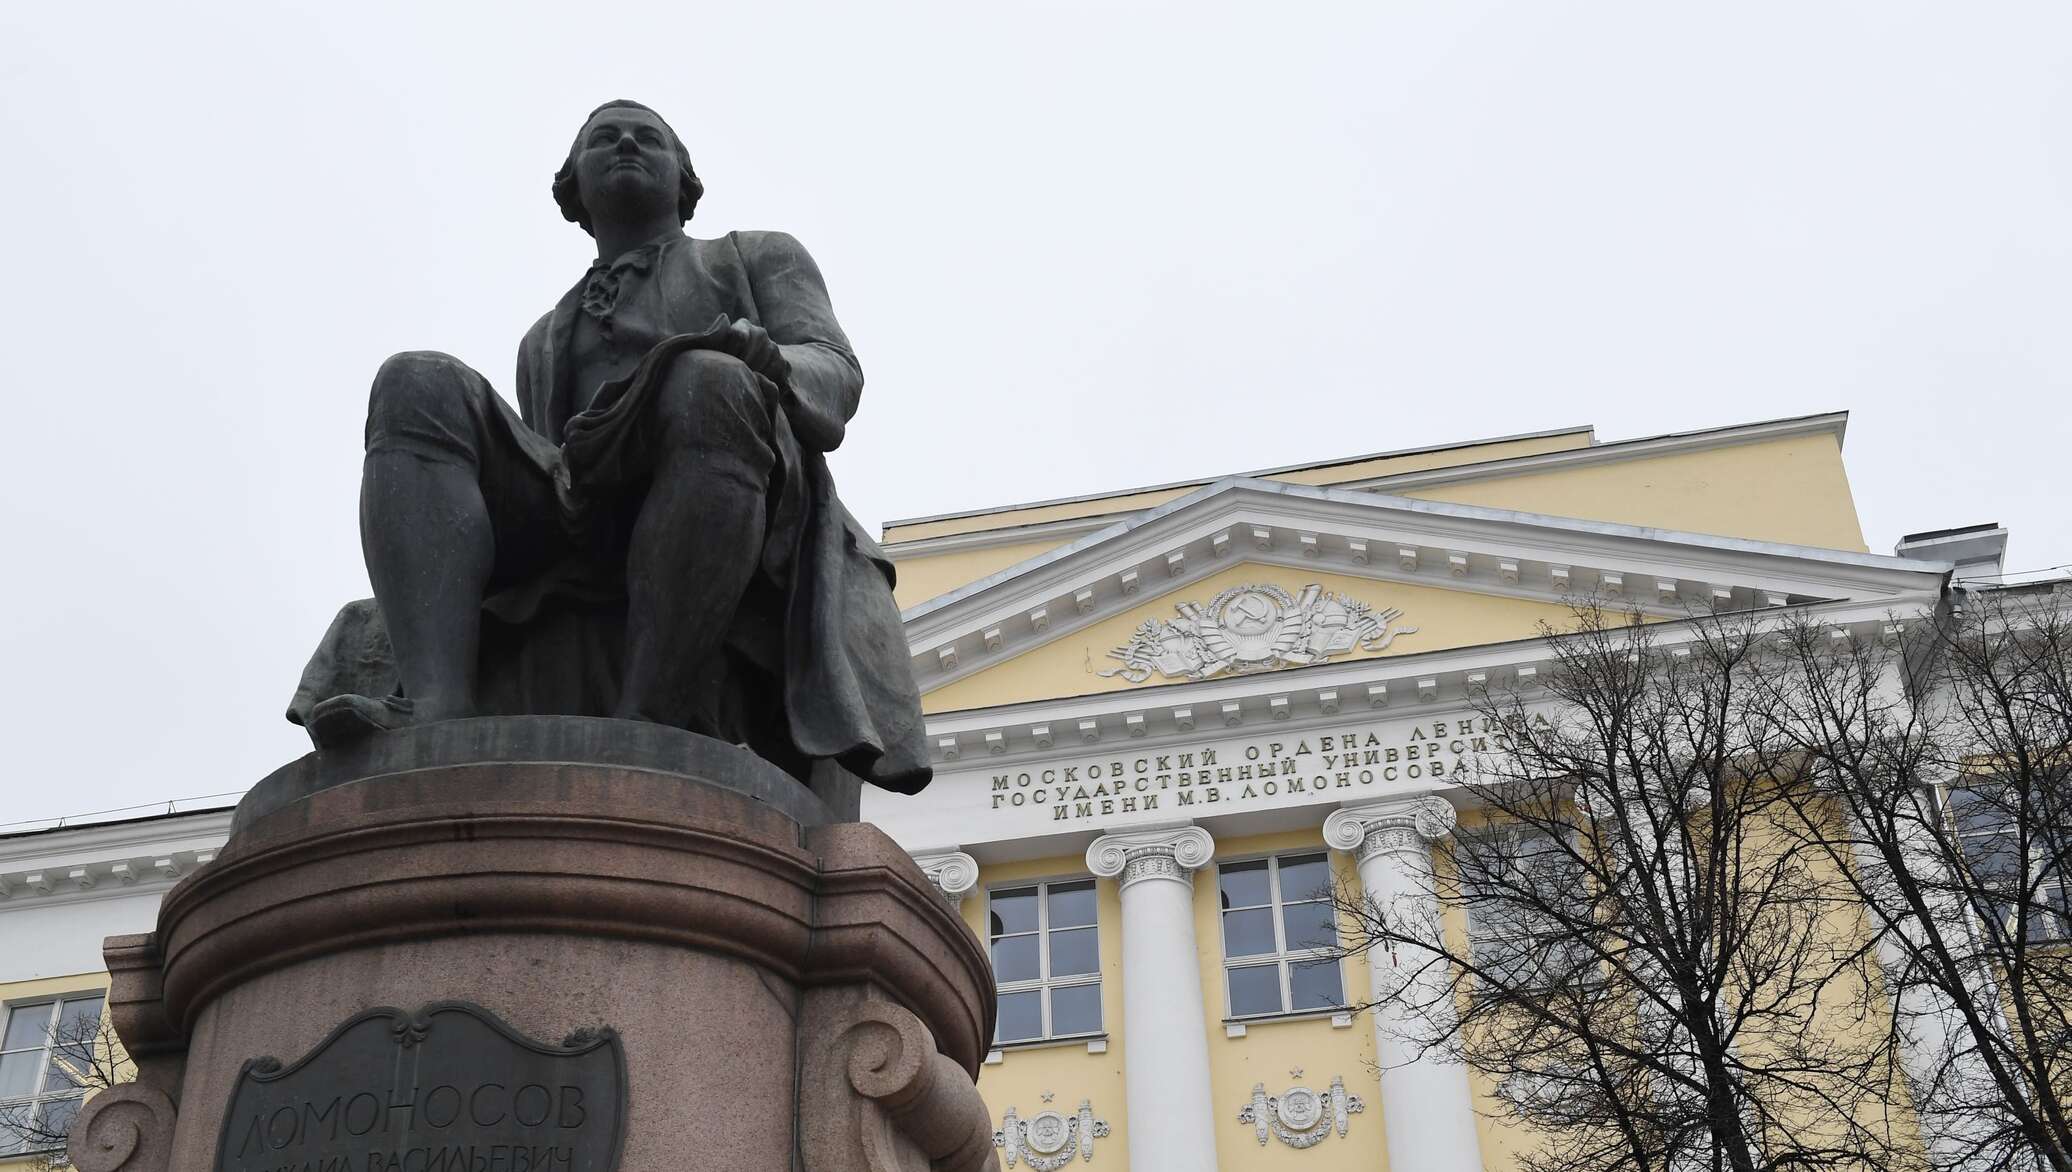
[449, 1088]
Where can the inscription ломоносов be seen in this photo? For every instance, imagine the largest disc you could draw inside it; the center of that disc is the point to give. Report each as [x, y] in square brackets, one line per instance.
[450, 1088]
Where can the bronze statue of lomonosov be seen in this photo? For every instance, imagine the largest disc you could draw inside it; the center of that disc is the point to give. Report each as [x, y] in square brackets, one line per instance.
[653, 534]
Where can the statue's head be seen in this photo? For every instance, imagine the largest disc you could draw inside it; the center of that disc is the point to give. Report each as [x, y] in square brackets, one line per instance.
[625, 158]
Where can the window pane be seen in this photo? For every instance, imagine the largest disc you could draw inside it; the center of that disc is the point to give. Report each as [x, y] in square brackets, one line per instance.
[1021, 1017]
[1305, 877]
[2062, 902]
[1996, 859]
[58, 1114]
[27, 1025]
[2046, 915]
[1014, 911]
[1255, 989]
[1976, 812]
[10, 1138]
[1494, 917]
[1071, 905]
[18, 1073]
[1074, 953]
[59, 1073]
[1075, 1009]
[1015, 959]
[1243, 884]
[1315, 985]
[1248, 933]
[1309, 925]
[78, 1019]
[1511, 961]
[76, 1044]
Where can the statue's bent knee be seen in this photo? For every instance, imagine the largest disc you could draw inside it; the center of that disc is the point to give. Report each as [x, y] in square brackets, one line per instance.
[423, 402]
[417, 382]
[707, 391]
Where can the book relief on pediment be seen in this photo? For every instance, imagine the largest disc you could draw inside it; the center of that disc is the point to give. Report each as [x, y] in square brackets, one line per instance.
[1254, 626]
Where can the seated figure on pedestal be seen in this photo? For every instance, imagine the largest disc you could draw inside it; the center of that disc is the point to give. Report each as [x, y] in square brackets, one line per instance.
[654, 534]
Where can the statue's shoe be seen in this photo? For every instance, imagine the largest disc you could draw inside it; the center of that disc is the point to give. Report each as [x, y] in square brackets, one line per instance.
[344, 719]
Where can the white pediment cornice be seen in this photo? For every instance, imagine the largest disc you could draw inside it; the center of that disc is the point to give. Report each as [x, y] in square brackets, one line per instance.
[1663, 573]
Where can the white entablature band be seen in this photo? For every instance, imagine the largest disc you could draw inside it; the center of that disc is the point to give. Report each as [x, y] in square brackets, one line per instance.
[1405, 824]
[1168, 852]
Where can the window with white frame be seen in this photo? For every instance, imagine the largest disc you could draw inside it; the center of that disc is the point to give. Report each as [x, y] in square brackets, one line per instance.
[1279, 931]
[2012, 873]
[47, 1049]
[1507, 874]
[1046, 960]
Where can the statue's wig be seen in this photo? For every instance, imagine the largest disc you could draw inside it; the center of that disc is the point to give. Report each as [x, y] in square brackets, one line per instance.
[688, 190]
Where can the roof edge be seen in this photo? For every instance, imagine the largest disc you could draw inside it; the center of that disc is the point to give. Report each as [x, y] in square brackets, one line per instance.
[1837, 421]
[1478, 513]
[1202, 481]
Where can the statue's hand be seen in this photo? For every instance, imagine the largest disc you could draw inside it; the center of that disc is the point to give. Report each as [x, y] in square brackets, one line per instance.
[752, 345]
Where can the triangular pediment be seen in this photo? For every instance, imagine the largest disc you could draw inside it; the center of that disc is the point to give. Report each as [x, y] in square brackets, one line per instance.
[1249, 577]
[1245, 618]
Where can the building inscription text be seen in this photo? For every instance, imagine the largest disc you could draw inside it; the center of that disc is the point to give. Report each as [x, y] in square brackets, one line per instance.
[1320, 765]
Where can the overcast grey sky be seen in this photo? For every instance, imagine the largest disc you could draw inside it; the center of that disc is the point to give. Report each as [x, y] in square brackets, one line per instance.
[1077, 246]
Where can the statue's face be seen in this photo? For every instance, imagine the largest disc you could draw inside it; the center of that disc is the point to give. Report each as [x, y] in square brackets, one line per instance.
[627, 164]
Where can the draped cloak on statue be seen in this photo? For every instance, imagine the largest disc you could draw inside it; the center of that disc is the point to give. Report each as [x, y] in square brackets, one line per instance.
[819, 667]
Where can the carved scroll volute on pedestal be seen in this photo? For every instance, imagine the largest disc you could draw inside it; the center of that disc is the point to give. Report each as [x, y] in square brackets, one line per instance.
[909, 1107]
[129, 1127]
[125, 1128]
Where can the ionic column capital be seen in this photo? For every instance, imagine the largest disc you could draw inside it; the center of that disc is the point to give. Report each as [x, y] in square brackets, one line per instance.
[1405, 824]
[953, 872]
[1169, 852]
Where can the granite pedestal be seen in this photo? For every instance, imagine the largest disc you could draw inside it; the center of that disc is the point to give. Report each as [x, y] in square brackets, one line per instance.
[493, 899]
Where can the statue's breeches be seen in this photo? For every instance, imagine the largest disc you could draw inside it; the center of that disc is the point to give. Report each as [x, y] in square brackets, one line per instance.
[550, 505]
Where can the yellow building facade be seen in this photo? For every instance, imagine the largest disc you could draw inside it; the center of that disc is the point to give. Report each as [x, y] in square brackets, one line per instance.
[1182, 697]
[1163, 718]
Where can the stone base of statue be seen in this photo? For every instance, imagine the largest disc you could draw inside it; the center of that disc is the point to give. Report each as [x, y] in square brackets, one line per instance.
[546, 944]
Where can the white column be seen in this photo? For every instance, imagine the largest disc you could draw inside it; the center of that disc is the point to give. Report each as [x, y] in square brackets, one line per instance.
[1942, 1063]
[1172, 1116]
[1427, 1106]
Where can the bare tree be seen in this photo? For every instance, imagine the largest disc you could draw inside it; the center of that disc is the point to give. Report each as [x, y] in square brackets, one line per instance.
[1942, 763]
[1657, 973]
[84, 1056]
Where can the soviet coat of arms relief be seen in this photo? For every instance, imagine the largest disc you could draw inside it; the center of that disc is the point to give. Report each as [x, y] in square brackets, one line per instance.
[1254, 627]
